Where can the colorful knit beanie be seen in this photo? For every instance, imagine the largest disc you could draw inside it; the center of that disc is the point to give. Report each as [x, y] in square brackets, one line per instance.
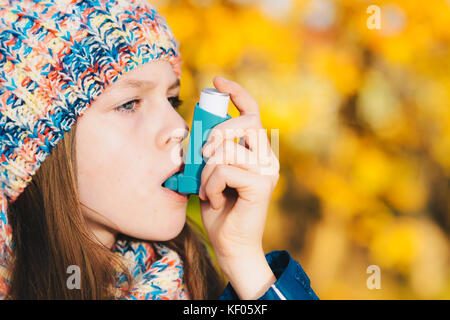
[56, 57]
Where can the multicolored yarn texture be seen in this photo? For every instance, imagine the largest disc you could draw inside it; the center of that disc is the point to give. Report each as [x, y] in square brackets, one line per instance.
[56, 57]
[154, 278]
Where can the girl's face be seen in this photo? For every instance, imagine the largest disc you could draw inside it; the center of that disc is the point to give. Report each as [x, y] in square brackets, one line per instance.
[127, 144]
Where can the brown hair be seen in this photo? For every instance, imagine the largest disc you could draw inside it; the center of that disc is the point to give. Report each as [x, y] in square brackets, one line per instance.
[50, 234]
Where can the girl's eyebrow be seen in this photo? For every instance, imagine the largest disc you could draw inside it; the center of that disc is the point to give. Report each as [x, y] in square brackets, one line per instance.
[175, 84]
[132, 83]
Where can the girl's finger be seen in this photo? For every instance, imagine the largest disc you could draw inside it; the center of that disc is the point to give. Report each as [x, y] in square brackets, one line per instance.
[230, 153]
[249, 186]
[240, 97]
[247, 126]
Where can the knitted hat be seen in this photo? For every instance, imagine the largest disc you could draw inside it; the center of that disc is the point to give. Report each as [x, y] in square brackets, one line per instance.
[56, 57]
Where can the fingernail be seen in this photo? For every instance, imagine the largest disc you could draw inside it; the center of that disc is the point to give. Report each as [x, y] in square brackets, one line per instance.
[204, 146]
[201, 194]
[207, 150]
[217, 203]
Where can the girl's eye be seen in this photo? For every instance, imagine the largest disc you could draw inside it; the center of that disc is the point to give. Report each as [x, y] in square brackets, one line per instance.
[175, 102]
[130, 106]
[126, 106]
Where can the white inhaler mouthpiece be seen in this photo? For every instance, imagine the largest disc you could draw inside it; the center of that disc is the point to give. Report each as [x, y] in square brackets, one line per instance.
[214, 102]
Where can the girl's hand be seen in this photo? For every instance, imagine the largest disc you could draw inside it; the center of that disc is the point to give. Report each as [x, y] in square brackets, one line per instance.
[237, 183]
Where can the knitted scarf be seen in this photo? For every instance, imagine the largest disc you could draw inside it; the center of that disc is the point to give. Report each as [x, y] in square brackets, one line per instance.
[156, 269]
[156, 278]
[56, 57]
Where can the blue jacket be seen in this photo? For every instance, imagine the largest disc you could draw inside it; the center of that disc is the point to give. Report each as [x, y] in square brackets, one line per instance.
[292, 282]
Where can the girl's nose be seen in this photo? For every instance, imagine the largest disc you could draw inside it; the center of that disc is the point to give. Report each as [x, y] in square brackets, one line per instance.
[173, 131]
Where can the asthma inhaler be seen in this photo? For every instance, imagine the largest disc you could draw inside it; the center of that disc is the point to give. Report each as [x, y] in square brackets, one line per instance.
[209, 112]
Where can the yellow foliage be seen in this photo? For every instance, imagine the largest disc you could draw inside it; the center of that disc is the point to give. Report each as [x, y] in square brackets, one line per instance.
[396, 246]
[364, 122]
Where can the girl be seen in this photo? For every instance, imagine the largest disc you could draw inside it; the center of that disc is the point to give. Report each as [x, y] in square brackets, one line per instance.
[92, 88]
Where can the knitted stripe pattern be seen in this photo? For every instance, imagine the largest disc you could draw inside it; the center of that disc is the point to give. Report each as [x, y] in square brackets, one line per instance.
[156, 269]
[56, 58]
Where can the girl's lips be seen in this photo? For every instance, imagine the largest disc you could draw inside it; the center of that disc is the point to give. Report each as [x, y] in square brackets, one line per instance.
[175, 195]
[180, 168]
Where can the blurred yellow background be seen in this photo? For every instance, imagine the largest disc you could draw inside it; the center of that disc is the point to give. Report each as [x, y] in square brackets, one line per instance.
[364, 120]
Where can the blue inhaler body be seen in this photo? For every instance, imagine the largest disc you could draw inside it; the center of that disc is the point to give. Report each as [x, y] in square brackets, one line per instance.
[209, 112]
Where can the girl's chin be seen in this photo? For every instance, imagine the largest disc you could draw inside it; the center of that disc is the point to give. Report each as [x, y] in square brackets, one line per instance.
[169, 234]
[173, 225]
[162, 232]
